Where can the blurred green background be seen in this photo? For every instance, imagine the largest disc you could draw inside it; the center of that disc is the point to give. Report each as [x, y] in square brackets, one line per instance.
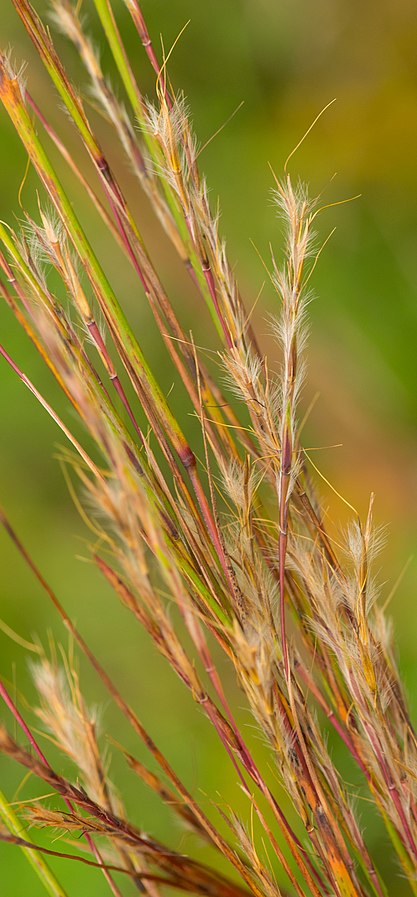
[286, 60]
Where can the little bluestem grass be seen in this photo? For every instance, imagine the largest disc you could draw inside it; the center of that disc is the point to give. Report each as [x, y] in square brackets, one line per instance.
[229, 530]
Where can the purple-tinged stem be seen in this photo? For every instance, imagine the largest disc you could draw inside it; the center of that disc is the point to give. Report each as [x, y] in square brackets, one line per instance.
[114, 377]
[127, 710]
[393, 791]
[335, 722]
[74, 168]
[32, 741]
[141, 27]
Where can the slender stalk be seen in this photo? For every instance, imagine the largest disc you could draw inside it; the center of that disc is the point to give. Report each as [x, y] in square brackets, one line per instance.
[234, 540]
[4, 694]
[29, 849]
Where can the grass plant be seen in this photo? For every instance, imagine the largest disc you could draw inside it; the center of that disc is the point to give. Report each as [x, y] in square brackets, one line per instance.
[218, 547]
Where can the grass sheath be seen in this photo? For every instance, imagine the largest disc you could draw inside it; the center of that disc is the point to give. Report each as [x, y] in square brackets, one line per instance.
[229, 530]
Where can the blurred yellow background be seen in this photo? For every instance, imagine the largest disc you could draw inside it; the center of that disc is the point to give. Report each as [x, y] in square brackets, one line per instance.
[286, 60]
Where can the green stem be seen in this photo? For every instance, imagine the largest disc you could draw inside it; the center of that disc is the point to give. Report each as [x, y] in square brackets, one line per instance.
[113, 37]
[132, 354]
[41, 868]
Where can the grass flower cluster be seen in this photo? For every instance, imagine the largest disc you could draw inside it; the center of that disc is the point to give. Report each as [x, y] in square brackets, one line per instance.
[229, 531]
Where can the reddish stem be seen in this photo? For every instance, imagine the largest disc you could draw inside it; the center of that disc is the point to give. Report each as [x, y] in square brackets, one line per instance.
[32, 741]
